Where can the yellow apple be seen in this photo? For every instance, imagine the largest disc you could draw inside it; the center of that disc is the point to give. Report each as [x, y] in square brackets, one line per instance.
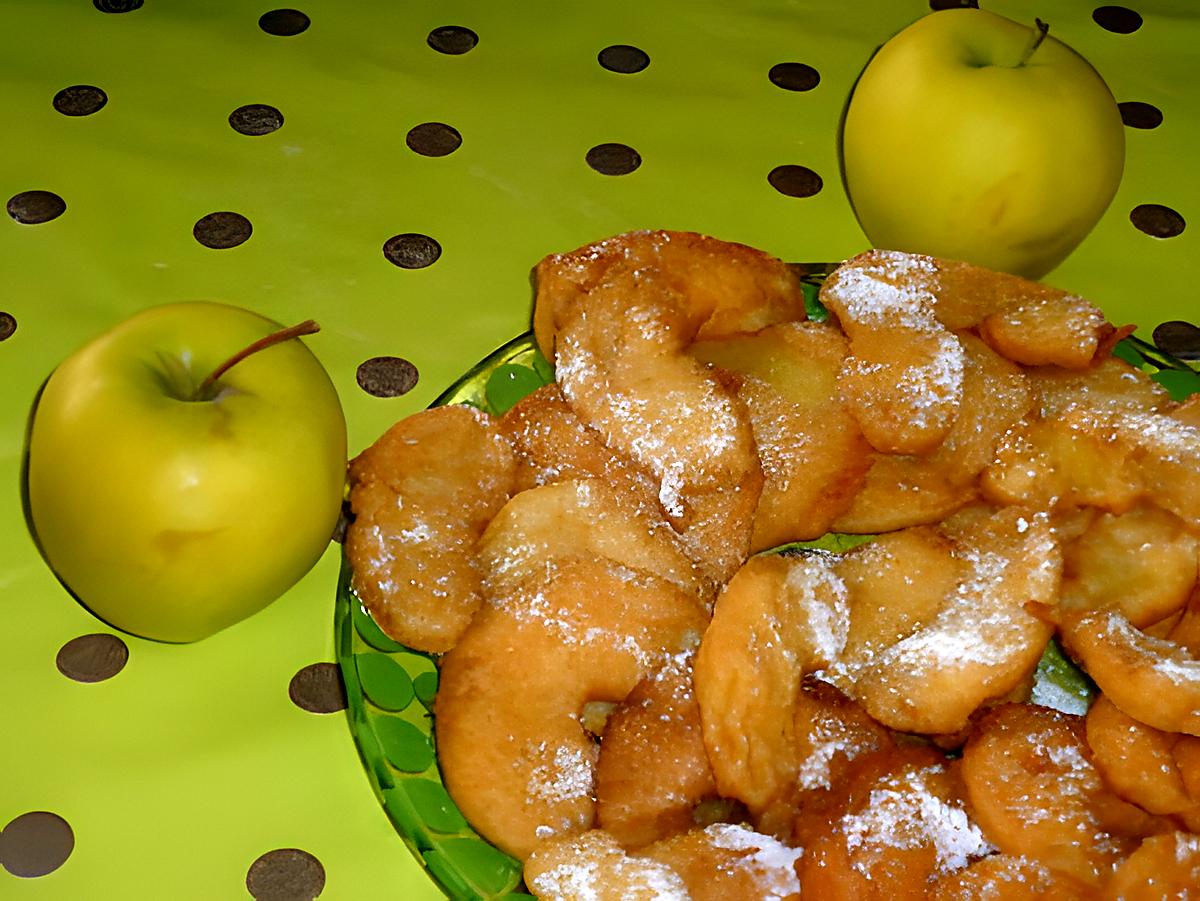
[174, 504]
[973, 137]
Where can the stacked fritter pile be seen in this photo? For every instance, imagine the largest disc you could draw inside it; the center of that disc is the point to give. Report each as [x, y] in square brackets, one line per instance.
[636, 705]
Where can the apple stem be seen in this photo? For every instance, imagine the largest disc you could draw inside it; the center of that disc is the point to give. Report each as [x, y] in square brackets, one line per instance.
[205, 390]
[1040, 31]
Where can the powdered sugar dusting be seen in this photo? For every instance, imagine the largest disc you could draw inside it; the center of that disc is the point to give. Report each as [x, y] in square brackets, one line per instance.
[568, 775]
[896, 293]
[907, 814]
[893, 288]
[824, 604]
[593, 867]
[1165, 657]
[830, 737]
[771, 864]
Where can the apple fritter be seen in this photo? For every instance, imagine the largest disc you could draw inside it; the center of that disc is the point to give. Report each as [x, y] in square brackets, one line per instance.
[726, 860]
[903, 378]
[730, 288]
[901, 312]
[579, 519]
[1153, 680]
[902, 491]
[653, 768]
[553, 444]
[514, 753]
[1136, 760]
[622, 367]
[1164, 866]
[939, 667]
[1142, 563]
[830, 731]
[813, 454]
[1028, 322]
[594, 867]
[777, 619]
[716, 863]
[1110, 385]
[1035, 792]
[899, 822]
[1109, 460]
[1008, 877]
[421, 496]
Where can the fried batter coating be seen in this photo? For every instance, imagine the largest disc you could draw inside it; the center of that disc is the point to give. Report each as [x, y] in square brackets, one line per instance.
[1008, 877]
[579, 519]
[421, 496]
[901, 310]
[725, 861]
[830, 731]
[1109, 460]
[514, 754]
[1142, 563]
[813, 454]
[1110, 385]
[902, 491]
[1028, 322]
[553, 444]
[594, 867]
[622, 367]
[1136, 760]
[1164, 867]
[903, 379]
[717, 863]
[777, 619]
[1188, 412]
[980, 644]
[653, 769]
[898, 824]
[730, 288]
[1155, 681]
[1035, 792]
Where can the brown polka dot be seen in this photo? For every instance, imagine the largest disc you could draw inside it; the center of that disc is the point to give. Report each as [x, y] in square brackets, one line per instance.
[35, 844]
[284, 23]
[795, 181]
[794, 76]
[1136, 114]
[318, 688]
[452, 39]
[286, 874]
[386, 376]
[33, 207]
[256, 119]
[222, 230]
[80, 100]
[613, 159]
[623, 58]
[1157, 220]
[117, 6]
[8, 325]
[1180, 339]
[935, 5]
[92, 658]
[433, 139]
[412, 250]
[1118, 19]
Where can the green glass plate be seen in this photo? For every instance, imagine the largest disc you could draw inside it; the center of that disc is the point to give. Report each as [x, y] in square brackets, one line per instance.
[390, 688]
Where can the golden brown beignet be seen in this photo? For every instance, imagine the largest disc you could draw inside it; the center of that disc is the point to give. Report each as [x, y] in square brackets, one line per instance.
[421, 496]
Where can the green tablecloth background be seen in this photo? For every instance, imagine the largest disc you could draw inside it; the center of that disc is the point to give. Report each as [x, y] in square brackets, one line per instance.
[180, 771]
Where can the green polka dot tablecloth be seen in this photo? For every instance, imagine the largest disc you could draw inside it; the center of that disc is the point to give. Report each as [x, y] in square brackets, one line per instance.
[394, 170]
